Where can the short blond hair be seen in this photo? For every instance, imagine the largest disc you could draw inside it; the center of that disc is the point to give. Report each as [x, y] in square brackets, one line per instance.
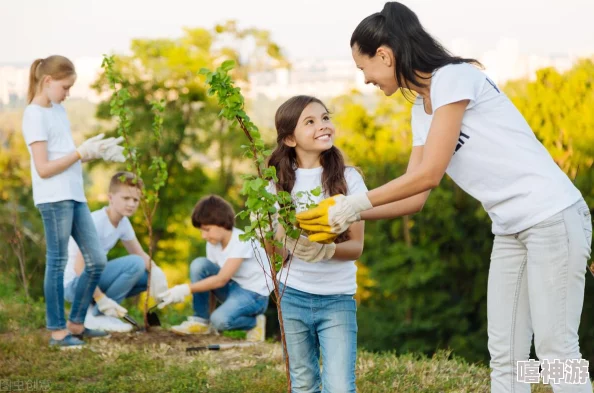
[124, 178]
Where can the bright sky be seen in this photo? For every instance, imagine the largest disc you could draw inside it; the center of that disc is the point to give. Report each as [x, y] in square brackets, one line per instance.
[303, 28]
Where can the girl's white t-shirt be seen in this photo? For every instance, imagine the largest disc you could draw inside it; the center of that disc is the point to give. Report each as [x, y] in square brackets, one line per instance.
[52, 125]
[332, 276]
[498, 159]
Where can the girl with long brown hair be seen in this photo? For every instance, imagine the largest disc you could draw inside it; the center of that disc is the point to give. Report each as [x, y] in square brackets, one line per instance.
[319, 312]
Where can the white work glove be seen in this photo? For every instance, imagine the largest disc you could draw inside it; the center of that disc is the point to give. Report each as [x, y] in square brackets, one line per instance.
[158, 280]
[97, 147]
[309, 251]
[110, 307]
[177, 294]
[111, 151]
[333, 216]
[90, 149]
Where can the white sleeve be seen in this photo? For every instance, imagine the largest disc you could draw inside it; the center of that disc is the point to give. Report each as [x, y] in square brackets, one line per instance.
[415, 125]
[34, 129]
[355, 183]
[127, 230]
[240, 249]
[456, 82]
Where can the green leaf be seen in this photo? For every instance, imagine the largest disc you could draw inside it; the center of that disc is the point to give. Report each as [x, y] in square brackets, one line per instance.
[294, 233]
[257, 184]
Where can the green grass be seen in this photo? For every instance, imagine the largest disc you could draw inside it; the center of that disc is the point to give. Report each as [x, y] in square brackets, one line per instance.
[122, 365]
[106, 367]
[17, 311]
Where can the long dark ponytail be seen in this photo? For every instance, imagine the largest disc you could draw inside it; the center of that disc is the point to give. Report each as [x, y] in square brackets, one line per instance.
[415, 50]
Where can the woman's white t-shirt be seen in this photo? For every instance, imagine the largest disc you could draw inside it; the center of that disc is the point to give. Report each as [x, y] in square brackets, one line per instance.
[52, 125]
[332, 276]
[498, 159]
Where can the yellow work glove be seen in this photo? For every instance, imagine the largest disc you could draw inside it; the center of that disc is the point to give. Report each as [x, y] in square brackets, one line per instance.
[333, 216]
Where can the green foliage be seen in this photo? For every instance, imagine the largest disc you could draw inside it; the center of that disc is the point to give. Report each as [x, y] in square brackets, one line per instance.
[119, 109]
[558, 107]
[21, 228]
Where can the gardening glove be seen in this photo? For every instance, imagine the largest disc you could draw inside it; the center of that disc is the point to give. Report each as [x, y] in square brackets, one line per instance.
[110, 307]
[309, 251]
[333, 216]
[90, 149]
[158, 280]
[112, 151]
[177, 294]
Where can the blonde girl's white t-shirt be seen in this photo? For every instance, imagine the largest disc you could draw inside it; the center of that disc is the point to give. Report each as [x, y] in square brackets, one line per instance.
[52, 126]
[498, 159]
[328, 277]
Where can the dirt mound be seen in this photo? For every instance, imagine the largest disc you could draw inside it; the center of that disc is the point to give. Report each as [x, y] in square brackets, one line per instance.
[159, 335]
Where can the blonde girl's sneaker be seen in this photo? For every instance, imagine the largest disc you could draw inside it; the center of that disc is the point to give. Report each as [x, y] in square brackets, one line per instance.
[68, 342]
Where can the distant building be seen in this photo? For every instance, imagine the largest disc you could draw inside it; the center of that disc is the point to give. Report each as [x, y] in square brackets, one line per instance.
[322, 78]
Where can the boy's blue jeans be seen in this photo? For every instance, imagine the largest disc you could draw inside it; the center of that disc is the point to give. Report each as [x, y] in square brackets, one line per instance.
[123, 277]
[325, 324]
[60, 221]
[239, 306]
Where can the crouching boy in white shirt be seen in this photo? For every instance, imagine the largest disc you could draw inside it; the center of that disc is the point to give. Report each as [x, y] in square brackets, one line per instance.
[232, 269]
[123, 277]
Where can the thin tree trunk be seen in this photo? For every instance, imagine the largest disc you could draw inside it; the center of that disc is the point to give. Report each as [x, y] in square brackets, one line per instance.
[406, 231]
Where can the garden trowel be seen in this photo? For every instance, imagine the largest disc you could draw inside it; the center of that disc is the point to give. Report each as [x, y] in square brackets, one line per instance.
[219, 347]
[152, 317]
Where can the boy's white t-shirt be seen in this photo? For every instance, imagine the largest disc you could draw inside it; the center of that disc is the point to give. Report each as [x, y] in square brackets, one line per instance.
[52, 125]
[328, 277]
[108, 237]
[250, 274]
[498, 159]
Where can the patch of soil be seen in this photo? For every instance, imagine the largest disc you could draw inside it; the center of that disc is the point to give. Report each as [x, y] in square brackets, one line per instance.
[159, 335]
[166, 345]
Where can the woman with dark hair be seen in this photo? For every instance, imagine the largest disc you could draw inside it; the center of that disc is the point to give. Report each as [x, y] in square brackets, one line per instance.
[465, 126]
